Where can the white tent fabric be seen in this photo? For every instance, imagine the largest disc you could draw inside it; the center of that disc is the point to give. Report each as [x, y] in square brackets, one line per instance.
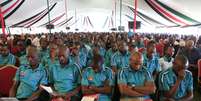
[98, 11]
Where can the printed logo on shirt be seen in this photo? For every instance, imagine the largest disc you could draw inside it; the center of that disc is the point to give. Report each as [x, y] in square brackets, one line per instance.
[90, 78]
[22, 74]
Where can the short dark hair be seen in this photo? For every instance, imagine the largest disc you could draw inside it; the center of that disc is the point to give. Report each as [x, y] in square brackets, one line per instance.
[183, 59]
[166, 48]
[151, 44]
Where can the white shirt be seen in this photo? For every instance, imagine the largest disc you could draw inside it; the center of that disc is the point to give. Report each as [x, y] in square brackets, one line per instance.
[165, 64]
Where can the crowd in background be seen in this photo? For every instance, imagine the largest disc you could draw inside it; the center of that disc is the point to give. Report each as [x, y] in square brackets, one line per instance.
[112, 66]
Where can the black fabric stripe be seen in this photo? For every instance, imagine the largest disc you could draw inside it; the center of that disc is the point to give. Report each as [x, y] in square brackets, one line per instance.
[66, 21]
[28, 19]
[44, 15]
[149, 18]
[5, 3]
[159, 12]
[14, 10]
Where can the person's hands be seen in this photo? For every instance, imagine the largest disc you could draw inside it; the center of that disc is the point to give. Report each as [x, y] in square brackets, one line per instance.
[181, 74]
[93, 88]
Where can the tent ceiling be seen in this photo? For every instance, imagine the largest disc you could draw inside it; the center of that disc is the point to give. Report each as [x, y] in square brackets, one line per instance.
[98, 11]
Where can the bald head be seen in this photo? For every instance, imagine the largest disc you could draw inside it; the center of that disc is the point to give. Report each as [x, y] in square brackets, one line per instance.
[189, 44]
[63, 55]
[33, 56]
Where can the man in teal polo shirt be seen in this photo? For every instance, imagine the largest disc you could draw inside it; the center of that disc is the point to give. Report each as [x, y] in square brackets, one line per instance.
[135, 83]
[120, 59]
[109, 54]
[78, 55]
[150, 60]
[29, 77]
[65, 77]
[176, 84]
[98, 79]
[7, 58]
[44, 50]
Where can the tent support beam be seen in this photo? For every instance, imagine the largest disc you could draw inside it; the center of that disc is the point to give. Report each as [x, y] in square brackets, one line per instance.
[135, 15]
[2, 23]
[120, 14]
[48, 8]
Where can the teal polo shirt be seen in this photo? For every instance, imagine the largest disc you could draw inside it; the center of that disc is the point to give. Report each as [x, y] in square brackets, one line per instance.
[65, 79]
[131, 77]
[151, 65]
[120, 60]
[30, 80]
[7, 60]
[23, 60]
[92, 78]
[108, 57]
[168, 79]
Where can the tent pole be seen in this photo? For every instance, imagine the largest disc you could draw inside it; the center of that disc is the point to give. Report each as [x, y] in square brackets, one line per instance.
[66, 9]
[2, 23]
[48, 15]
[120, 14]
[115, 13]
[135, 14]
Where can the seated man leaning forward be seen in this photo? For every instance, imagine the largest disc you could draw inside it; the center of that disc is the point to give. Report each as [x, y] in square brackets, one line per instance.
[65, 77]
[177, 82]
[98, 80]
[28, 78]
[135, 83]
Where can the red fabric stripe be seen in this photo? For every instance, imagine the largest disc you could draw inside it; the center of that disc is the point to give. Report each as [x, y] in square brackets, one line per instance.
[2, 23]
[57, 18]
[166, 13]
[12, 6]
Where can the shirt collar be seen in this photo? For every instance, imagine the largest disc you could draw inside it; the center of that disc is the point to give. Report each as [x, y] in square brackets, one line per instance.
[127, 53]
[37, 69]
[130, 69]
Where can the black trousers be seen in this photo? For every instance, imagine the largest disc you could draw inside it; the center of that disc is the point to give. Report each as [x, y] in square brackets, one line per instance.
[116, 94]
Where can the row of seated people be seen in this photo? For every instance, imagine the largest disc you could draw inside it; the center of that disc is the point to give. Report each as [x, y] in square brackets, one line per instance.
[80, 71]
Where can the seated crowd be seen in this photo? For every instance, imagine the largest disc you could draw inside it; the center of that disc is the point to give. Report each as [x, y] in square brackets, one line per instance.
[102, 66]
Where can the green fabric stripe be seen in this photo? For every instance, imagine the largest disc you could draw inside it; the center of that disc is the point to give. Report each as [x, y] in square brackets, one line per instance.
[177, 13]
[165, 17]
[147, 17]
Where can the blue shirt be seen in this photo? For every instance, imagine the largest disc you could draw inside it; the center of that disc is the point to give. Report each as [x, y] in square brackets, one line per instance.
[120, 60]
[23, 60]
[102, 51]
[44, 55]
[131, 77]
[108, 57]
[80, 60]
[168, 79]
[65, 79]
[92, 78]
[151, 65]
[8, 60]
[83, 55]
[30, 80]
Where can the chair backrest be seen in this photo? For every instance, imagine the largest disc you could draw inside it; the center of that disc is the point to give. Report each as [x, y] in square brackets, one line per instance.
[6, 78]
[199, 70]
